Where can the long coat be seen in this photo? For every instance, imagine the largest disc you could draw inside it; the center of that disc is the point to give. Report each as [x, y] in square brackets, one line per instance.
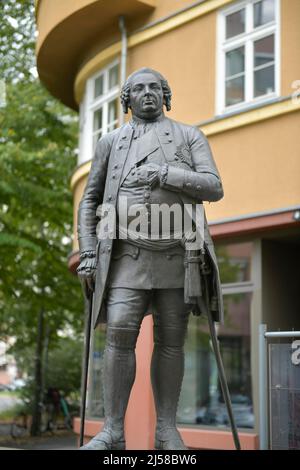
[201, 183]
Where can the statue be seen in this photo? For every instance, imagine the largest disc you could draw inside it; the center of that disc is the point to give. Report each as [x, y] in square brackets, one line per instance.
[149, 161]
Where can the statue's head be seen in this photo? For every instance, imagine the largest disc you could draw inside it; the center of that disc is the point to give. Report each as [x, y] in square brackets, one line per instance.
[145, 92]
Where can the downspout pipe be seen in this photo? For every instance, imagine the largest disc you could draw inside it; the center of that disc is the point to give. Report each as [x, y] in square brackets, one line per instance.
[122, 27]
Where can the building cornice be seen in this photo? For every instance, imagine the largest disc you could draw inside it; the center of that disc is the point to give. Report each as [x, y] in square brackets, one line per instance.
[263, 112]
[36, 7]
[147, 33]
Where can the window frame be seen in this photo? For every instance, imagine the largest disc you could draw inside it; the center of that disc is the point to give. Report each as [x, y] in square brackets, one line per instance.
[90, 105]
[247, 40]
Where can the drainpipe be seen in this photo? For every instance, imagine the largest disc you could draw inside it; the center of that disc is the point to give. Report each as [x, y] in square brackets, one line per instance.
[122, 27]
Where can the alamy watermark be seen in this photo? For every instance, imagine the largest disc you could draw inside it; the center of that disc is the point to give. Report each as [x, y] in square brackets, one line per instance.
[296, 353]
[154, 222]
[296, 93]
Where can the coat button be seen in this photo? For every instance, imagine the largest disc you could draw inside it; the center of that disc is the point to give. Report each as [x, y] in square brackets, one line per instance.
[113, 176]
[108, 249]
[198, 186]
[147, 205]
[109, 198]
[167, 132]
[176, 158]
[120, 147]
[115, 166]
[135, 137]
[146, 195]
[124, 137]
[170, 140]
[188, 185]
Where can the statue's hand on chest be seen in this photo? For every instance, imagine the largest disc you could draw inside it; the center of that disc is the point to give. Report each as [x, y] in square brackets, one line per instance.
[147, 174]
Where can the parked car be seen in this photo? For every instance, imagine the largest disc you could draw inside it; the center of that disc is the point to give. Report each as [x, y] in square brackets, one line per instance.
[16, 385]
[217, 415]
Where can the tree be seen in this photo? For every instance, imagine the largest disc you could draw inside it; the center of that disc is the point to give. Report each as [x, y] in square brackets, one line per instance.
[63, 370]
[38, 139]
[17, 40]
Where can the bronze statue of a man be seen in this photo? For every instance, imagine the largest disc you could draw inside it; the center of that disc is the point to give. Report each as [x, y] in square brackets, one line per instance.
[151, 160]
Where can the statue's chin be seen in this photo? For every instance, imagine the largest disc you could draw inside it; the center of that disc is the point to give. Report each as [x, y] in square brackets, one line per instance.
[149, 114]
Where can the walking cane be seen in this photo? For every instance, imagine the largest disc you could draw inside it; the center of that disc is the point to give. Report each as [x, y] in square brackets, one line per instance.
[222, 376]
[86, 365]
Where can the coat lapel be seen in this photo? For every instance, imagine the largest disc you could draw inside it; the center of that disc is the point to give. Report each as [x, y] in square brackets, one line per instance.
[166, 139]
[146, 145]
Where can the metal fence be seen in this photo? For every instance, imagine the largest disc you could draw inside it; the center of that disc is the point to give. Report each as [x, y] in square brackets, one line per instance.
[279, 389]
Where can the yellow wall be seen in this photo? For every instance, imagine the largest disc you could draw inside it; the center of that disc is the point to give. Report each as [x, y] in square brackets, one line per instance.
[186, 56]
[174, 45]
[260, 167]
[76, 197]
[290, 45]
[167, 7]
[52, 12]
[259, 163]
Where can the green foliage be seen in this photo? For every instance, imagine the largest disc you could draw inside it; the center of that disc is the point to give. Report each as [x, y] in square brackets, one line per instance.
[64, 367]
[38, 140]
[17, 39]
[63, 370]
[9, 413]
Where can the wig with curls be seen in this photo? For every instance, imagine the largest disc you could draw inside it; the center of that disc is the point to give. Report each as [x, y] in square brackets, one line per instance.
[125, 91]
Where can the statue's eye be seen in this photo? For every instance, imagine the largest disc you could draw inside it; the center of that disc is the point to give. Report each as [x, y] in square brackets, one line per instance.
[137, 88]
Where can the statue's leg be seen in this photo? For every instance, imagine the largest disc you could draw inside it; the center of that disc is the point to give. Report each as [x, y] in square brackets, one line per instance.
[167, 368]
[125, 311]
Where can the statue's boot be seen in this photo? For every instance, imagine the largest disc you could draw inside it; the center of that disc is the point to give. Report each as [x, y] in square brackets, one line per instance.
[167, 368]
[106, 440]
[118, 377]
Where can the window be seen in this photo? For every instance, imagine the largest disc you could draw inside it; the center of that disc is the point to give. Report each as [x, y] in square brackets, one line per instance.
[99, 109]
[201, 401]
[248, 57]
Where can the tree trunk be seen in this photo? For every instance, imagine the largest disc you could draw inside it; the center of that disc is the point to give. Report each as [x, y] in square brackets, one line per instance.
[38, 379]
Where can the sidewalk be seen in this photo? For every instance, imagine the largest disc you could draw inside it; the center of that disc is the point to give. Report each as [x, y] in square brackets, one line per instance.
[60, 441]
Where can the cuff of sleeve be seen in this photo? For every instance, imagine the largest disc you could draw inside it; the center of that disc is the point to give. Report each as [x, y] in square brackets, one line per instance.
[87, 244]
[175, 177]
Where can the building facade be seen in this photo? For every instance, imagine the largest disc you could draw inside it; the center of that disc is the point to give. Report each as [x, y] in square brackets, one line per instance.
[234, 70]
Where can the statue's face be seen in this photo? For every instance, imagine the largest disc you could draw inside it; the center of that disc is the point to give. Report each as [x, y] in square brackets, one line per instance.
[146, 96]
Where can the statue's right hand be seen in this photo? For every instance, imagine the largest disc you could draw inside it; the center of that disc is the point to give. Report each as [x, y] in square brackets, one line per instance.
[86, 272]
